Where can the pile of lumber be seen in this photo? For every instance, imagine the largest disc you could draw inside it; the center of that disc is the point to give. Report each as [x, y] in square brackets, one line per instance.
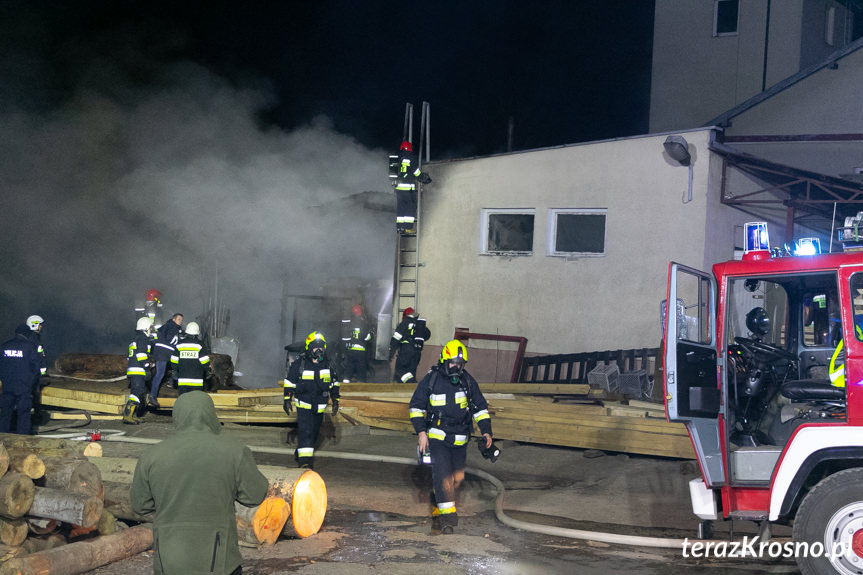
[50, 494]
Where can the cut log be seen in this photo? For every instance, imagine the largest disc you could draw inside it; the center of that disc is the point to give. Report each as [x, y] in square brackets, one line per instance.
[76, 508]
[13, 531]
[4, 460]
[82, 556]
[308, 505]
[38, 445]
[39, 526]
[29, 464]
[75, 475]
[91, 364]
[107, 524]
[117, 502]
[16, 495]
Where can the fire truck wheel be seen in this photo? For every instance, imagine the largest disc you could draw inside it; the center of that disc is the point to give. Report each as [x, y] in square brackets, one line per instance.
[831, 515]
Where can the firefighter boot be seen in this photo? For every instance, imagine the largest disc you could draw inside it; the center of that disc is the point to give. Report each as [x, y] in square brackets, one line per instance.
[130, 413]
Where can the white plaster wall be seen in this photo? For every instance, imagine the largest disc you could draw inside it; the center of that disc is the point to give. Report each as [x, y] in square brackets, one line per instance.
[595, 303]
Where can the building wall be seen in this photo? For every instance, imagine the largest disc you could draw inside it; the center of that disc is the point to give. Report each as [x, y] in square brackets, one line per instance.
[697, 76]
[826, 102]
[561, 305]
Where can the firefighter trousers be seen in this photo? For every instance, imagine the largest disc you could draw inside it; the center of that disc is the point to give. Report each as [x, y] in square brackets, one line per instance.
[308, 428]
[448, 464]
[406, 363]
[356, 365]
[138, 388]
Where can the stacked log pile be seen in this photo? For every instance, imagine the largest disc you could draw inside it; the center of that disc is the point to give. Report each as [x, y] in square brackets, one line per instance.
[51, 493]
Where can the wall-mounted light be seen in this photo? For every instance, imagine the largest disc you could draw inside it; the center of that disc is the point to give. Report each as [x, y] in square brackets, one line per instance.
[678, 149]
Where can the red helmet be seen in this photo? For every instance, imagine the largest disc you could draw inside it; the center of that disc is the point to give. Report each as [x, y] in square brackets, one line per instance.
[407, 146]
[408, 311]
[357, 310]
[154, 295]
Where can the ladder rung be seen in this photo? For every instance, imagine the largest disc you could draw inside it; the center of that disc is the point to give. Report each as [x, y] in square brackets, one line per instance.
[407, 281]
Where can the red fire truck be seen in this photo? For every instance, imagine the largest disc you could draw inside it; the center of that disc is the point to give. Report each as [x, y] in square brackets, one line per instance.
[764, 365]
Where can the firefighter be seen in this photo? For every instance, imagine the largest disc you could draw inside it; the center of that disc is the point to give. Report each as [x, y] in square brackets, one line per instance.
[152, 307]
[837, 360]
[356, 338]
[309, 384]
[440, 411]
[167, 337]
[191, 361]
[405, 181]
[138, 364]
[19, 368]
[408, 341]
[34, 322]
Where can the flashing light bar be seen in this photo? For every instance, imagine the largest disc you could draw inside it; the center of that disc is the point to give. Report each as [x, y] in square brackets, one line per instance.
[807, 247]
[756, 237]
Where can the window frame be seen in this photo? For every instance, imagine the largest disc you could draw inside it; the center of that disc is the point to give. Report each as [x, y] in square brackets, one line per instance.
[551, 247]
[486, 213]
[716, 33]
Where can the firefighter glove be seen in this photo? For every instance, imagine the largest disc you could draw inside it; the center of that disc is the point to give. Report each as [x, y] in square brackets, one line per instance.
[424, 178]
[288, 405]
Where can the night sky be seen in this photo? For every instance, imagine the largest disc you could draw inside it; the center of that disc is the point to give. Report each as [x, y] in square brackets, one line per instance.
[164, 145]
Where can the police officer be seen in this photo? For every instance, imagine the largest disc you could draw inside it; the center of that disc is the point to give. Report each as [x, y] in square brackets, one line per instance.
[308, 386]
[440, 410]
[405, 181]
[167, 337]
[356, 339]
[138, 364]
[191, 361]
[19, 367]
[408, 341]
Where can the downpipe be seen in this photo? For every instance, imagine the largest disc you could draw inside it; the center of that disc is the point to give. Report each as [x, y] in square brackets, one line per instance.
[613, 538]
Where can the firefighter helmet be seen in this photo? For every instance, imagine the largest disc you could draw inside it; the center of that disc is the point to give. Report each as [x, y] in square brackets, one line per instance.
[357, 310]
[154, 295]
[408, 312]
[453, 357]
[316, 345]
[406, 147]
[34, 321]
[144, 323]
[192, 328]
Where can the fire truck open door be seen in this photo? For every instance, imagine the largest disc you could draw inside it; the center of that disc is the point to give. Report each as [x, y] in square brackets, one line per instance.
[690, 368]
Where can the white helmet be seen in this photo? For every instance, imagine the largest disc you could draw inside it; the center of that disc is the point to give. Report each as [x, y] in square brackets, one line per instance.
[144, 323]
[34, 321]
[192, 328]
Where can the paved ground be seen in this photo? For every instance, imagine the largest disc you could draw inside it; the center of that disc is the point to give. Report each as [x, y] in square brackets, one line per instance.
[377, 519]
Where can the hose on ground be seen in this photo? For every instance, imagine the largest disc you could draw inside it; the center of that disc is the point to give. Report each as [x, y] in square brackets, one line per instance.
[614, 538]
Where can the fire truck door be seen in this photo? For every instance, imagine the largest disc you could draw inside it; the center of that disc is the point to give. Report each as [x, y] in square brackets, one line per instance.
[692, 391]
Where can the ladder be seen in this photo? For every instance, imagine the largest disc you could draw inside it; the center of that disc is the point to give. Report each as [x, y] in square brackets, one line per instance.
[407, 261]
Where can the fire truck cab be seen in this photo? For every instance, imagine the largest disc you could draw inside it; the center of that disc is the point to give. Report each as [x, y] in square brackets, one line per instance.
[763, 363]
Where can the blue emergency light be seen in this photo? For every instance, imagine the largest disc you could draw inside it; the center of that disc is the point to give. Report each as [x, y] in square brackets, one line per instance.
[756, 244]
[807, 247]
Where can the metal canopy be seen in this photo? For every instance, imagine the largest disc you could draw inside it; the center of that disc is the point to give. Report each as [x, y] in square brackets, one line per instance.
[802, 192]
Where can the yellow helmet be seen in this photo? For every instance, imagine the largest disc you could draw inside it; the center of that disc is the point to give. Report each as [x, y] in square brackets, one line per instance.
[316, 344]
[453, 349]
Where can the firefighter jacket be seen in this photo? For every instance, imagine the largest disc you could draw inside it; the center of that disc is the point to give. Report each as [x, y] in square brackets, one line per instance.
[411, 331]
[36, 338]
[19, 365]
[444, 410]
[356, 335]
[408, 172]
[191, 480]
[192, 362]
[167, 337]
[138, 361]
[311, 384]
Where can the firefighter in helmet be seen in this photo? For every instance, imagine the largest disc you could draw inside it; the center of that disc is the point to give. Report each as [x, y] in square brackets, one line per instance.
[408, 341]
[311, 382]
[405, 183]
[138, 364]
[152, 307]
[357, 339]
[35, 323]
[441, 409]
[191, 360]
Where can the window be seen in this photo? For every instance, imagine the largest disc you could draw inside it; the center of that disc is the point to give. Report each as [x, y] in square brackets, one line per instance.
[830, 25]
[576, 232]
[507, 231]
[725, 17]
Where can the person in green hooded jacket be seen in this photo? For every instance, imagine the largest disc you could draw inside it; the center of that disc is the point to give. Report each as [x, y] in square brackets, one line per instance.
[191, 480]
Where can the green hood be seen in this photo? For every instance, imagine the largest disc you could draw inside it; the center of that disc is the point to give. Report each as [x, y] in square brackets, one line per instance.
[194, 411]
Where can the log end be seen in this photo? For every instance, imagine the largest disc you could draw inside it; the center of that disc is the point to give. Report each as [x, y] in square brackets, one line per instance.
[309, 504]
[270, 519]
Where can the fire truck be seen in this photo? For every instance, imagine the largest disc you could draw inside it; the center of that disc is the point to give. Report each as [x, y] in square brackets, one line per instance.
[763, 363]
